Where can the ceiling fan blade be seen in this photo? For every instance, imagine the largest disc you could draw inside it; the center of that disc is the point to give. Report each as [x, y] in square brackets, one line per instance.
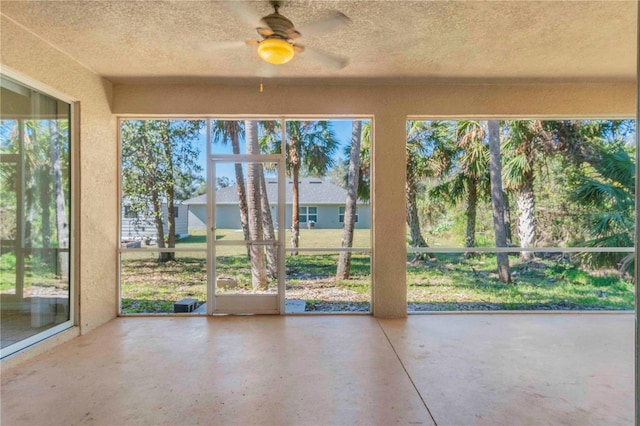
[246, 14]
[330, 60]
[252, 42]
[332, 21]
[265, 31]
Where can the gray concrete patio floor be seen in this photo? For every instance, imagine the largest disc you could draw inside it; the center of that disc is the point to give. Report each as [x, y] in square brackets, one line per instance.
[316, 370]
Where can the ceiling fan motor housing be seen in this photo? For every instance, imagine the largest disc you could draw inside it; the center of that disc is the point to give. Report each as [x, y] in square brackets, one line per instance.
[280, 26]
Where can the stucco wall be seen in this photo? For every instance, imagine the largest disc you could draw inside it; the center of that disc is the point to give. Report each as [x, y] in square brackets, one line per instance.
[27, 55]
[390, 106]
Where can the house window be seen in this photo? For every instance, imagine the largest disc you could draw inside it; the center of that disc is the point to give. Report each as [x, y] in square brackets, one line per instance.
[308, 214]
[129, 213]
[176, 210]
[341, 215]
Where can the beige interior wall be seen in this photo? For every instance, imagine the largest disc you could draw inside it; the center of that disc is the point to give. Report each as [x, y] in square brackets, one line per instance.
[29, 56]
[455, 100]
[390, 106]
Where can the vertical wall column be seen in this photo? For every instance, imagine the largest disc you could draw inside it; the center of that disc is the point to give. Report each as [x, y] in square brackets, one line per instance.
[389, 217]
[637, 224]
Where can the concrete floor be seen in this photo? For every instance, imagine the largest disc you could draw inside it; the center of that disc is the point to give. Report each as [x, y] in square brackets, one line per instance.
[317, 370]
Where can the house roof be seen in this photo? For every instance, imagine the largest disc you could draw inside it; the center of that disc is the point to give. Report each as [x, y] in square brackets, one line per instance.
[313, 191]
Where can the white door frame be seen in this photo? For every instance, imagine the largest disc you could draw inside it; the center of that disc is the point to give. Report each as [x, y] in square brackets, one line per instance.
[239, 303]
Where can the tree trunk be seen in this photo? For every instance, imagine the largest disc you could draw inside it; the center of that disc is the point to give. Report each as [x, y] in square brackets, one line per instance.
[497, 203]
[344, 260]
[294, 161]
[157, 220]
[171, 218]
[413, 221]
[45, 203]
[171, 222]
[28, 183]
[258, 270]
[62, 225]
[507, 218]
[42, 180]
[268, 231]
[527, 227]
[472, 202]
[240, 184]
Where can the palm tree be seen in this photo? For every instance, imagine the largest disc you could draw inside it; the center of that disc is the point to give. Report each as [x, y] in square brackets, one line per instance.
[256, 233]
[606, 187]
[364, 174]
[231, 130]
[522, 148]
[344, 261]
[497, 202]
[429, 154]
[267, 226]
[310, 149]
[468, 175]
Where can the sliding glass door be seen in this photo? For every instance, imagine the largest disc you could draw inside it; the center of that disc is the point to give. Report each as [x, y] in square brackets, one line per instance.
[35, 215]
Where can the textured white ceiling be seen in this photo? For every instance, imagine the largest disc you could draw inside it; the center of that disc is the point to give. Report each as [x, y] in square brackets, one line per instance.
[388, 41]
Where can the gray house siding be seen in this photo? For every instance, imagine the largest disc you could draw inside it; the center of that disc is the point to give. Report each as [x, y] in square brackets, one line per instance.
[228, 217]
[198, 217]
[324, 197]
[142, 227]
[182, 221]
[329, 216]
[136, 228]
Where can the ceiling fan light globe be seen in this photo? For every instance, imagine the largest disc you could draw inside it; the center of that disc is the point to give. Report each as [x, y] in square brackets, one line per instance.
[275, 51]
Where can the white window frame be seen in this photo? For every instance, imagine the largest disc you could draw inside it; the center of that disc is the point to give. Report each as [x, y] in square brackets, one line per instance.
[305, 214]
[341, 211]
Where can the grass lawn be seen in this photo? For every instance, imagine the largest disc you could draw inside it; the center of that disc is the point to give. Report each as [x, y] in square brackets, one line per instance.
[448, 283]
[451, 282]
[309, 238]
[152, 287]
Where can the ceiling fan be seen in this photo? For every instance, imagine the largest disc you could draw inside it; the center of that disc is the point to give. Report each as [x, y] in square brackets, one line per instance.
[280, 40]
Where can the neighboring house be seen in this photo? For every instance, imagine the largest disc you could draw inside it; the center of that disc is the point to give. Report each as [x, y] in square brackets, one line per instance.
[137, 227]
[321, 202]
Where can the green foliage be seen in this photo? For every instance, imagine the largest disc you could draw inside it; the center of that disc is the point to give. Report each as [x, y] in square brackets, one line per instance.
[7, 271]
[159, 164]
[40, 138]
[441, 227]
[522, 148]
[581, 173]
[454, 152]
[8, 261]
[314, 142]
